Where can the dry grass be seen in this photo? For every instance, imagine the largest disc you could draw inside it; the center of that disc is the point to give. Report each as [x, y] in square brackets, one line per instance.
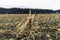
[45, 26]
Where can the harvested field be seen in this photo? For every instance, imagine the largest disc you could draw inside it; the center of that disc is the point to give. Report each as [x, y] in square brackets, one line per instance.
[30, 27]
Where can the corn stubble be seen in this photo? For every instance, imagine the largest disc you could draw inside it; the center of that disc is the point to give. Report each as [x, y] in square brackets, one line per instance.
[44, 26]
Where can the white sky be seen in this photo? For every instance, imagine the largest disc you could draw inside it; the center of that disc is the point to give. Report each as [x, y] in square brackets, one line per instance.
[41, 4]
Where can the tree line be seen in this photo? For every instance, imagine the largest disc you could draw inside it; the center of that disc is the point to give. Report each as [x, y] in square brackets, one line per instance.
[26, 11]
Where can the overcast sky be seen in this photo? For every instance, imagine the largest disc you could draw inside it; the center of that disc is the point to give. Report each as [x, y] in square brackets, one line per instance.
[41, 4]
